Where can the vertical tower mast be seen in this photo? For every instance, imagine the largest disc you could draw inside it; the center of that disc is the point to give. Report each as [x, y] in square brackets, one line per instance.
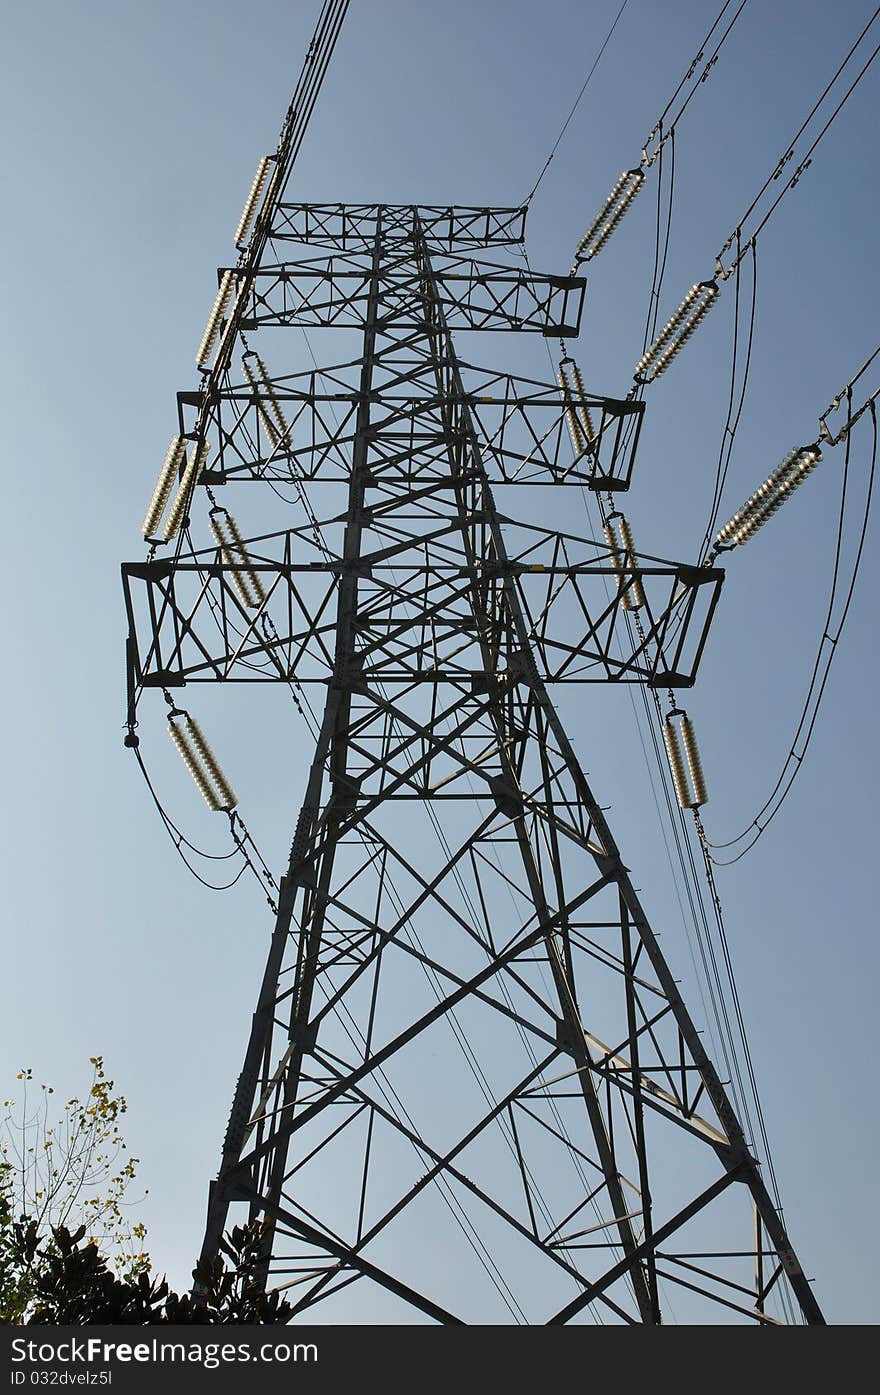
[471, 1082]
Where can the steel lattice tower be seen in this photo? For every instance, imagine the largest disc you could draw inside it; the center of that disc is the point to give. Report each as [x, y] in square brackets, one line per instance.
[471, 1080]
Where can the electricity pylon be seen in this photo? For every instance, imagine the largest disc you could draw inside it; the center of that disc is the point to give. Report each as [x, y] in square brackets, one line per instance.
[471, 1087]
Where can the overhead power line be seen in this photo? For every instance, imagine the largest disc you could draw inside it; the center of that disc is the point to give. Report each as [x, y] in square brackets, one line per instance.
[631, 181]
[704, 294]
[804, 163]
[577, 103]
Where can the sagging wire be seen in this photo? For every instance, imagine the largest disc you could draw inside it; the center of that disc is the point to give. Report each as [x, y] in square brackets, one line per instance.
[731, 424]
[179, 840]
[650, 697]
[221, 324]
[730, 1048]
[244, 840]
[825, 654]
[688, 881]
[293, 130]
[218, 794]
[737, 1005]
[658, 271]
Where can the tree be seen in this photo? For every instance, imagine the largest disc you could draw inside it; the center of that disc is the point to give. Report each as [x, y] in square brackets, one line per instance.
[76, 1170]
[77, 1173]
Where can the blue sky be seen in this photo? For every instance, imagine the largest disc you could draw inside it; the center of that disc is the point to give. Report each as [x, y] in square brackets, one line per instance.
[132, 135]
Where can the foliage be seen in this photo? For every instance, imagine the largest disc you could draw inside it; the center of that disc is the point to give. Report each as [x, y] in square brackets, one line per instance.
[65, 1280]
[74, 1173]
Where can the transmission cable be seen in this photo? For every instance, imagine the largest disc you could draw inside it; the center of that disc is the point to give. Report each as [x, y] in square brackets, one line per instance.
[670, 129]
[178, 838]
[700, 299]
[789, 154]
[565, 124]
[730, 1047]
[731, 425]
[632, 181]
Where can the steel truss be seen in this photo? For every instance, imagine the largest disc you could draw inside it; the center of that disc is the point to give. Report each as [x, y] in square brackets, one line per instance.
[471, 1082]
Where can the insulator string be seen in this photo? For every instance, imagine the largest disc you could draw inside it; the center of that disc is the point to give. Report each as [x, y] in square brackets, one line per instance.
[253, 198]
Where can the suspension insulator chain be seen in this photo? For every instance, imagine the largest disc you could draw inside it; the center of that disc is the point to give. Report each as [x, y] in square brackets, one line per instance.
[687, 769]
[773, 493]
[677, 331]
[200, 761]
[618, 536]
[617, 204]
